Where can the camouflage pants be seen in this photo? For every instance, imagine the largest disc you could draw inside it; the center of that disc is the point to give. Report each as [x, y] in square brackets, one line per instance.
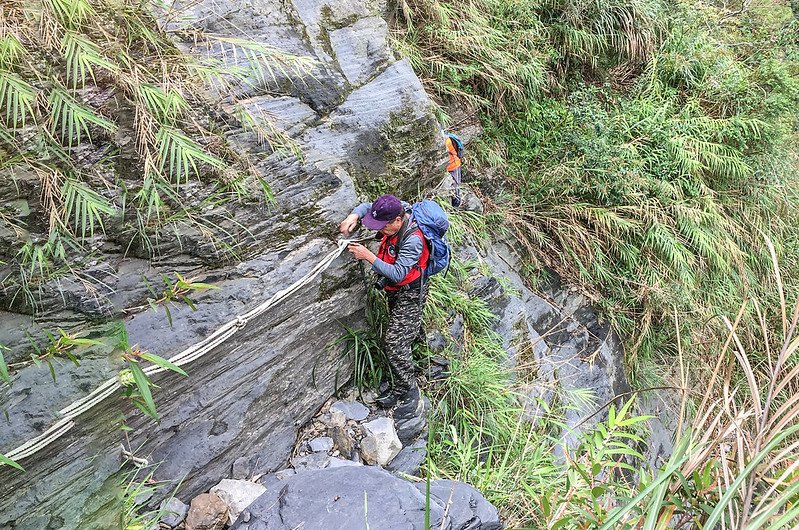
[404, 326]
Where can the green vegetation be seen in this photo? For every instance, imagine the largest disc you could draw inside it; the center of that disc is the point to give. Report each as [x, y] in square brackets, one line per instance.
[645, 153]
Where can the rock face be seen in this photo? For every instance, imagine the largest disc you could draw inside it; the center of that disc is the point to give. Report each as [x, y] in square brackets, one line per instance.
[248, 396]
[352, 497]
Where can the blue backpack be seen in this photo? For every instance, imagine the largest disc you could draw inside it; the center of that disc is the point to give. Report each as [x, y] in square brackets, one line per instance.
[458, 143]
[433, 223]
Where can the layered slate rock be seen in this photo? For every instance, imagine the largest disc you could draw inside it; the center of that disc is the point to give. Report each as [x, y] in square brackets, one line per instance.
[247, 397]
[354, 497]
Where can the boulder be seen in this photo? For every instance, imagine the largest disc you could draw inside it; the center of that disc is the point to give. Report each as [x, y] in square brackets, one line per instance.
[237, 495]
[174, 511]
[366, 497]
[207, 512]
[352, 410]
[467, 508]
[341, 498]
[381, 444]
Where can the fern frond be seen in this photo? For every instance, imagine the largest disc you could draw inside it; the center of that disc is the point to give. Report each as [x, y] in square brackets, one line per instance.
[82, 56]
[70, 13]
[70, 119]
[179, 155]
[17, 98]
[84, 208]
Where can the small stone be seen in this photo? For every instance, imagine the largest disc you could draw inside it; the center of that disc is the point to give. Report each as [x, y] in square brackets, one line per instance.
[351, 409]
[337, 419]
[342, 441]
[174, 511]
[381, 443]
[207, 512]
[237, 495]
[321, 444]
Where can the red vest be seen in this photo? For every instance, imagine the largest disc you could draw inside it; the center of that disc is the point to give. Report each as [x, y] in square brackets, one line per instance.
[389, 250]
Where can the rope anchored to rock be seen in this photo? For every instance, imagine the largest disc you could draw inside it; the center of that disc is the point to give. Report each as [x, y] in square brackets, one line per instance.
[192, 353]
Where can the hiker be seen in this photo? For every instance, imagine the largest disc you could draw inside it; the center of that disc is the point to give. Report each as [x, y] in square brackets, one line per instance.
[399, 263]
[455, 151]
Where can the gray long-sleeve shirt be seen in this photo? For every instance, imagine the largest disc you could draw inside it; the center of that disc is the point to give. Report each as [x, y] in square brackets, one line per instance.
[408, 255]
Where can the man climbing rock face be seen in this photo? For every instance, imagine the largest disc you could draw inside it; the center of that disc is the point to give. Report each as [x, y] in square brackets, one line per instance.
[399, 262]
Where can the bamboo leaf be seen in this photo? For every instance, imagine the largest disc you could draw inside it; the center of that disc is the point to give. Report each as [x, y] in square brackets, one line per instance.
[179, 155]
[71, 13]
[84, 207]
[143, 385]
[163, 363]
[17, 98]
[70, 120]
[4, 375]
[82, 56]
[5, 461]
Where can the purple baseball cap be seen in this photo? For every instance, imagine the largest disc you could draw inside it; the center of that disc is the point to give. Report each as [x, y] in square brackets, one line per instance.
[384, 210]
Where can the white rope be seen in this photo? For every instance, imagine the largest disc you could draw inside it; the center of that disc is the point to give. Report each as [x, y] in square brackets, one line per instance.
[190, 354]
